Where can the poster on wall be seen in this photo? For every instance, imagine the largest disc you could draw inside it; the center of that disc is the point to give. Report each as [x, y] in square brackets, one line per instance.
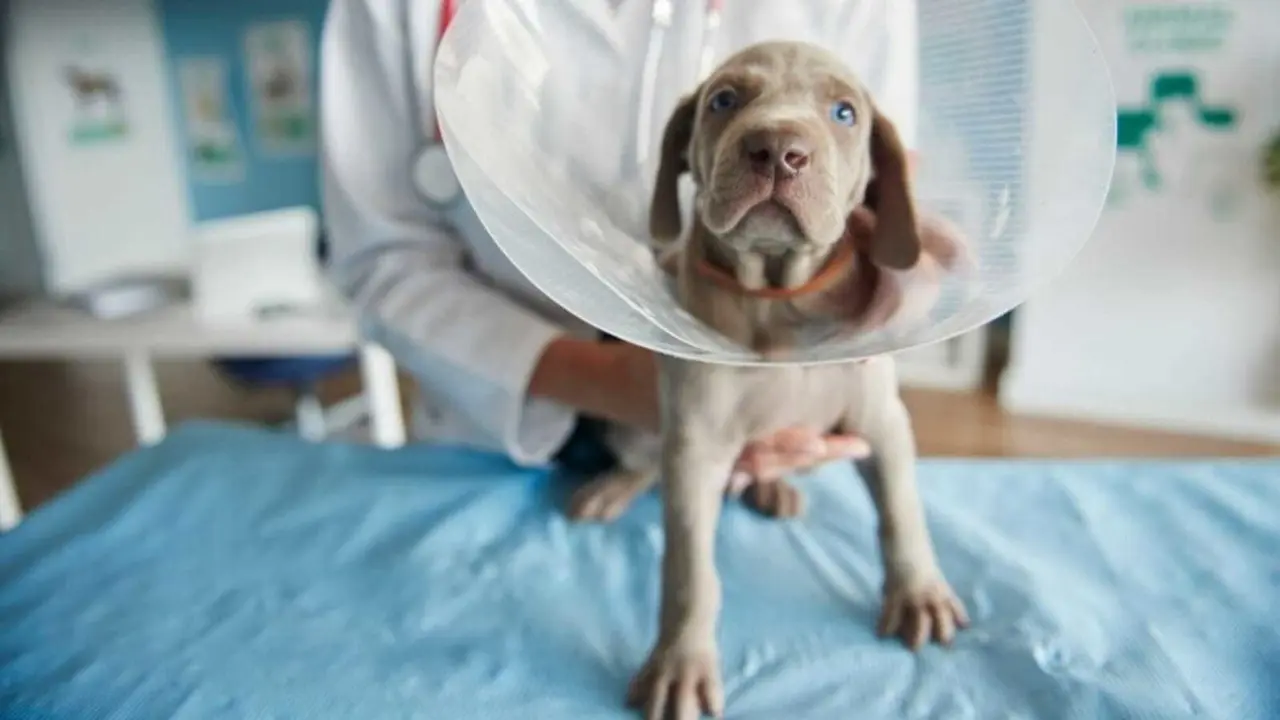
[96, 92]
[280, 66]
[1192, 115]
[215, 152]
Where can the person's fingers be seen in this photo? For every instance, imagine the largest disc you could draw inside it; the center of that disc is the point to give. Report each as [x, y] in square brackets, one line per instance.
[783, 448]
[806, 442]
[773, 466]
[817, 450]
[761, 465]
[790, 450]
[847, 446]
[766, 464]
[796, 440]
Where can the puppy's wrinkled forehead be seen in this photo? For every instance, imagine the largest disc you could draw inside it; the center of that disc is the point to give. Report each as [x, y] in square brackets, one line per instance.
[771, 67]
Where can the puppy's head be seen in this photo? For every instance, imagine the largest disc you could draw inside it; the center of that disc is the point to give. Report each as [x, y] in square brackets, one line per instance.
[783, 142]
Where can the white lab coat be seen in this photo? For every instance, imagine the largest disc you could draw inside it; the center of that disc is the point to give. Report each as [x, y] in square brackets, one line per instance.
[445, 300]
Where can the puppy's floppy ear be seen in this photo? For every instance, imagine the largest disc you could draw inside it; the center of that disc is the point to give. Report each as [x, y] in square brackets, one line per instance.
[895, 243]
[664, 211]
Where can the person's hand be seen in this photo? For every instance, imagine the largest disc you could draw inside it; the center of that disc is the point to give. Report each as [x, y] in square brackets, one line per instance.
[765, 459]
[792, 450]
[616, 381]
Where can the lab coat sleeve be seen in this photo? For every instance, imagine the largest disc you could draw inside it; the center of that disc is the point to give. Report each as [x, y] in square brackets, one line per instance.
[468, 345]
[897, 86]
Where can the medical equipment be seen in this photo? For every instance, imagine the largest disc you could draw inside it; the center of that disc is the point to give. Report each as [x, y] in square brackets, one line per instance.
[1036, 174]
[233, 572]
[433, 173]
[258, 265]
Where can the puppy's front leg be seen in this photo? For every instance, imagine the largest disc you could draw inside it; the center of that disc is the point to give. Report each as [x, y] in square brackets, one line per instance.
[681, 678]
[918, 601]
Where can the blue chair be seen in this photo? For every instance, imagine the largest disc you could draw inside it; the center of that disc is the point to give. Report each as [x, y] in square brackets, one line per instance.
[301, 375]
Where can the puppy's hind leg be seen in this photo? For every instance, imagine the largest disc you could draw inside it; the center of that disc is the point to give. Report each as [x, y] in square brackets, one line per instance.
[607, 497]
[774, 498]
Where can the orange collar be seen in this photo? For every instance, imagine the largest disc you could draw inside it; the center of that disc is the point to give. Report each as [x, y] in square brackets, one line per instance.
[832, 271]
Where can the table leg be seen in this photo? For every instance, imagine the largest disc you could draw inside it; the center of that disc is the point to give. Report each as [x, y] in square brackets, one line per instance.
[144, 398]
[10, 507]
[381, 386]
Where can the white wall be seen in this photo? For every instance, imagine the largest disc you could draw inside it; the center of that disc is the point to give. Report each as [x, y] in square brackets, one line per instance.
[1170, 317]
[118, 206]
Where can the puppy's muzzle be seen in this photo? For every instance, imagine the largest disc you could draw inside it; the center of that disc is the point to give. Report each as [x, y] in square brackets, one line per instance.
[777, 155]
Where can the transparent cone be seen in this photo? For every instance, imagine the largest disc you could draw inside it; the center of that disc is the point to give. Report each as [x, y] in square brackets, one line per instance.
[551, 117]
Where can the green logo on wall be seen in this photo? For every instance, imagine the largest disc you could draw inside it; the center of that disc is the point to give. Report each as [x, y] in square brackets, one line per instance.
[1138, 127]
[1135, 126]
[1176, 107]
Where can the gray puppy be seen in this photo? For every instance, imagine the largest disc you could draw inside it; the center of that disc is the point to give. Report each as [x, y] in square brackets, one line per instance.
[788, 153]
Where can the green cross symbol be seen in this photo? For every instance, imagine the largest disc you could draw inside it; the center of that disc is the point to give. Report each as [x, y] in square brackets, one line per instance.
[1135, 126]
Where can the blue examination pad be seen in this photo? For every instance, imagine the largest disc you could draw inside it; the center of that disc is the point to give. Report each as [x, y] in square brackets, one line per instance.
[237, 573]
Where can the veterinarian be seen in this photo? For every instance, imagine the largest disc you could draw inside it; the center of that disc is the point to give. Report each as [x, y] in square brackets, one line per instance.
[497, 364]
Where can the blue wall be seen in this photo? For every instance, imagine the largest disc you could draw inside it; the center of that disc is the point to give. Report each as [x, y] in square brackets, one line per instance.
[216, 27]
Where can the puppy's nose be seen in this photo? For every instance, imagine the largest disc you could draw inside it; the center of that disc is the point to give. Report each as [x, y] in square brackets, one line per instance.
[771, 152]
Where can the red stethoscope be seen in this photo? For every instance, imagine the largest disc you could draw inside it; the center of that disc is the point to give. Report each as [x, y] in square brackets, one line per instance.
[433, 173]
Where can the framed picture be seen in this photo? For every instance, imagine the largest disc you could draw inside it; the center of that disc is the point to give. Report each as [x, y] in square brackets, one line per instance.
[215, 152]
[279, 63]
[97, 102]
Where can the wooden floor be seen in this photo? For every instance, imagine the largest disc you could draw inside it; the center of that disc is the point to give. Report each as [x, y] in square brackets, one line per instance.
[61, 421]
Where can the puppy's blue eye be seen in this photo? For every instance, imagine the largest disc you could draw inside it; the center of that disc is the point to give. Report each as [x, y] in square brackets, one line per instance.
[723, 100]
[843, 113]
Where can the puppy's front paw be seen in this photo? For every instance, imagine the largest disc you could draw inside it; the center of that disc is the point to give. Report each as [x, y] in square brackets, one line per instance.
[774, 498]
[679, 682]
[921, 608]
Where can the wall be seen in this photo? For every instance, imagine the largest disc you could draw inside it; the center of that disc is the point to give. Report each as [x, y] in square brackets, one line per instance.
[19, 258]
[267, 177]
[1170, 316]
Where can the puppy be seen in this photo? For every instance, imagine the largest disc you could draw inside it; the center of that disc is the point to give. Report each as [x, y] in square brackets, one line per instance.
[852, 291]
[803, 212]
